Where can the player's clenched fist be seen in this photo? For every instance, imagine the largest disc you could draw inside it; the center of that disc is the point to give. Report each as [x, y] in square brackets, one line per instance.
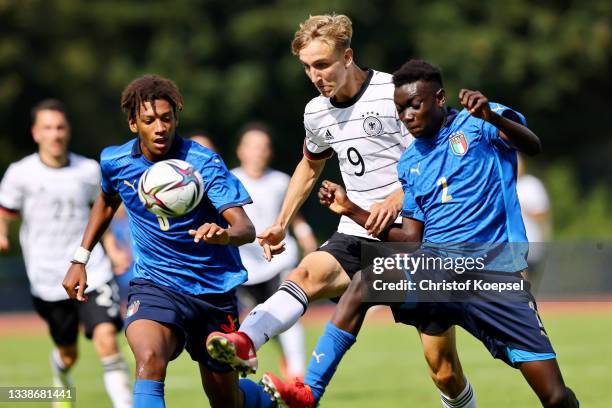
[333, 196]
[75, 282]
[476, 103]
[381, 216]
[210, 233]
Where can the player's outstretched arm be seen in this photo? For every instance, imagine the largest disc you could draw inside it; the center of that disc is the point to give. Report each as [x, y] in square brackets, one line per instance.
[75, 281]
[301, 184]
[333, 196]
[516, 135]
[240, 232]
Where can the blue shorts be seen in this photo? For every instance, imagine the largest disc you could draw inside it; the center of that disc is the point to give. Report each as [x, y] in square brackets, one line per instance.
[511, 329]
[192, 317]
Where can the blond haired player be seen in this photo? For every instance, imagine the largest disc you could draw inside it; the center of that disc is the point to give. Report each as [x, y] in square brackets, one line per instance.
[354, 117]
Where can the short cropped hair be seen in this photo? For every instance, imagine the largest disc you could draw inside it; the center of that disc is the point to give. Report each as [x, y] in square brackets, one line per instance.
[48, 104]
[254, 127]
[415, 70]
[148, 88]
[334, 29]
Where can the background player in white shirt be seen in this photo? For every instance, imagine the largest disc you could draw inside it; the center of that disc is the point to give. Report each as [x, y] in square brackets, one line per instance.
[535, 209]
[52, 190]
[354, 117]
[267, 188]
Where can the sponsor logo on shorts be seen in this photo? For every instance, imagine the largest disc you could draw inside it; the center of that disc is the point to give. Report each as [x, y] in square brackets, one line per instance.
[132, 309]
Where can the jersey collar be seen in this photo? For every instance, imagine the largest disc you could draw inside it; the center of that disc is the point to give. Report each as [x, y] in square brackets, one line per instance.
[174, 149]
[451, 114]
[355, 98]
[431, 142]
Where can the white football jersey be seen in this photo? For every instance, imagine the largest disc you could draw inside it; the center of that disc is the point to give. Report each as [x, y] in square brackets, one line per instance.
[267, 193]
[54, 204]
[368, 137]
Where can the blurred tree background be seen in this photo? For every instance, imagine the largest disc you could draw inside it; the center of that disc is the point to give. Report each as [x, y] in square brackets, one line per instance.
[550, 59]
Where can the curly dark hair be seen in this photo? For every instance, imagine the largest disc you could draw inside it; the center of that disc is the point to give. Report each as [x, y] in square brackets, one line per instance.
[415, 70]
[148, 88]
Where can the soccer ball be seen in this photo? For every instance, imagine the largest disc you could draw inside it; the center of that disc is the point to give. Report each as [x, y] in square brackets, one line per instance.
[170, 188]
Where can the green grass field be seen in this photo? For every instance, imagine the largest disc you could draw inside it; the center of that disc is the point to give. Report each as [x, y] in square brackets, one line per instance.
[384, 369]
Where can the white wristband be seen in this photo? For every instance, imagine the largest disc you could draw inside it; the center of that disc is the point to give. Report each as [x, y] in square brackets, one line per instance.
[302, 229]
[81, 256]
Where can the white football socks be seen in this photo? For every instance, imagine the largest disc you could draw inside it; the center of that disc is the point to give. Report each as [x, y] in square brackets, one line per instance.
[117, 381]
[61, 376]
[281, 311]
[466, 399]
[292, 343]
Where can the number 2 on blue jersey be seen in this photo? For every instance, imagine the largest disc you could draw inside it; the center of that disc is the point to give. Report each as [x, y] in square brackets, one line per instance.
[445, 196]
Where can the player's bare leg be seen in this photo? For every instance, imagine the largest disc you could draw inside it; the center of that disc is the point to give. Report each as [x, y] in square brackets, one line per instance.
[546, 380]
[221, 388]
[116, 375]
[339, 336]
[318, 276]
[152, 344]
[445, 369]
[62, 360]
[68, 355]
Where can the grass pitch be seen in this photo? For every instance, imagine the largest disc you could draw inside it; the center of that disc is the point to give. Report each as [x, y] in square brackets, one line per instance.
[384, 369]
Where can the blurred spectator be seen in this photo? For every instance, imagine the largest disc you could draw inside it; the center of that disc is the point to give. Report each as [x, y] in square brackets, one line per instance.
[203, 139]
[53, 190]
[535, 208]
[267, 187]
[118, 245]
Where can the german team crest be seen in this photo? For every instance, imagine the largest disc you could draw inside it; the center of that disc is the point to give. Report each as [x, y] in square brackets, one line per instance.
[458, 144]
[371, 124]
[132, 309]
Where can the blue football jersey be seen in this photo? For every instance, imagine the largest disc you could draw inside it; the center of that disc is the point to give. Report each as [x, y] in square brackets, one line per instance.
[166, 254]
[461, 184]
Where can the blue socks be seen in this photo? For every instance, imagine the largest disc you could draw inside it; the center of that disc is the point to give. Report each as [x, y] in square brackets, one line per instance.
[254, 395]
[149, 394]
[330, 349]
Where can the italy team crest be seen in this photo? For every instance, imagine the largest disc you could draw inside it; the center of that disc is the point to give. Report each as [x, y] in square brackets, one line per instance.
[458, 144]
[132, 309]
